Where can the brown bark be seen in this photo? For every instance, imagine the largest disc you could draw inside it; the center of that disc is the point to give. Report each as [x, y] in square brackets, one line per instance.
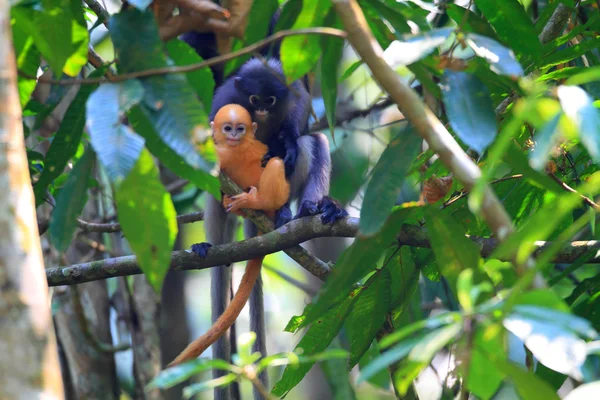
[29, 366]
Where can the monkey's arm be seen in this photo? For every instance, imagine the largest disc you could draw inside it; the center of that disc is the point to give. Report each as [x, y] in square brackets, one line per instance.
[272, 193]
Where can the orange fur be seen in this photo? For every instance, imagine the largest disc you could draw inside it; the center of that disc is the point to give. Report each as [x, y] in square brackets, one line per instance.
[240, 157]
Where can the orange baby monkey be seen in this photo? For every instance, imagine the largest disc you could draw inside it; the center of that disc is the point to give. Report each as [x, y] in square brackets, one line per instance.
[240, 156]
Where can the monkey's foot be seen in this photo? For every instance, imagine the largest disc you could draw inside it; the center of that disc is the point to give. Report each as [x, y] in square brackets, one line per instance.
[331, 212]
[266, 159]
[283, 216]
[201, 249]
[244, 200]
[307, 208]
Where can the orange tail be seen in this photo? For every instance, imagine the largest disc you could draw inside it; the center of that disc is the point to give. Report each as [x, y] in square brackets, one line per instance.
[226, 319]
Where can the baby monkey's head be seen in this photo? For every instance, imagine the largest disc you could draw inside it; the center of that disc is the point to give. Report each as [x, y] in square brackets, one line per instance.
[232, 124]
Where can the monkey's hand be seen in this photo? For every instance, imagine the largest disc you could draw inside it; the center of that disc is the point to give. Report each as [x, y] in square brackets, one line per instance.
[245, 200]
[227, 201]
[331, 212]
[307, 208]
[201, 249]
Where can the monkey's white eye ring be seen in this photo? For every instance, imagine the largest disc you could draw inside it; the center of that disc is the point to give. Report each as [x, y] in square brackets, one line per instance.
[254, 99]
[227, 128]
[271, 100]
[241, 129]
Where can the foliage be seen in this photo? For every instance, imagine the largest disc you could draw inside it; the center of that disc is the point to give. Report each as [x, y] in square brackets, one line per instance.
[525, 111]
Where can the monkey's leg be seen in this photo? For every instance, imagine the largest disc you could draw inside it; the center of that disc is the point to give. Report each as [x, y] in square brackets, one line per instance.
[257, 314]
[220, 228]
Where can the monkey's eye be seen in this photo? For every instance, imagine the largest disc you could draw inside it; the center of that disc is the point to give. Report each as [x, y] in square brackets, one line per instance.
[254, 100]
[227, 128]
[241, 129]
[271, 100]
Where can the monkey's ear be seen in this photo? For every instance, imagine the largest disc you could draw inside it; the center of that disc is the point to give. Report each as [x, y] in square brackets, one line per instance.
[254, 128]
[212, 126]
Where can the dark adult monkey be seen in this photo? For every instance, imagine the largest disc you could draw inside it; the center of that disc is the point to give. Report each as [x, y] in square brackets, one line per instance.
[308, 166]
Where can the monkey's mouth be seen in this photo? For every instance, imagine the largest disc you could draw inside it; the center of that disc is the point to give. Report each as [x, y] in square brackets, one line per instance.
[233, 142]
[262, 114]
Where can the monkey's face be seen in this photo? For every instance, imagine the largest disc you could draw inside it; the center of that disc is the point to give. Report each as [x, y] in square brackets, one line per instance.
[265, 95]
[263, 105]
[232, 124]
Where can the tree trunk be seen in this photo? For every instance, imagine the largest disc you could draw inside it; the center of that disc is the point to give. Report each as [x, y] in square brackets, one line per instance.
[29, 366]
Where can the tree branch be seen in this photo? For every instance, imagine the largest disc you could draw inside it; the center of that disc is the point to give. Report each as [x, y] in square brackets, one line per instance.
[193, 67]
[289, 235]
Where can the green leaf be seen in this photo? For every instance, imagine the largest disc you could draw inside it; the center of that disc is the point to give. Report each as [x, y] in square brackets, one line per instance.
[579, 107]
[245, 355]
[470, 109]
[453, 251]
[316, 339]
[201, 80]
[289, 14]
[70, 203]
[528, 384]
[410, 49]
[379, 379]
[516, 159]
[386, 181]
[555, 346]
[392, 14]
[544, 141]
[257, 28]
[433, 342]
[368, 314]
[570, 53]
[513, 26]
[196, 388]
[59, 31]
[563, 318]
[180, 373]
[405, 279]
[170, 102]
[28, 61]
[484, 378]
[582, 76]
[199, 177]
[430, 323]
[67, 139]
[338, 377]
[329, 68]
[118, 146]
[347, 73]
[299, 54]
[354, 263]
[469, 21]
[502, 60]
[388, 357]
[148, 219]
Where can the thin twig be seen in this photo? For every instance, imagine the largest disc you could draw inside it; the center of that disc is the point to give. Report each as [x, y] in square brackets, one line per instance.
[568, 188]
[193, 67]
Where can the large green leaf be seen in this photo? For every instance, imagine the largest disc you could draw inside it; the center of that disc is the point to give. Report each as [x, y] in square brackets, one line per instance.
[179, 373]
[379, 379]
[354, 263]
[405, 279]
[392, 14]
[59, 31]
[201, 178]
[368, 314]
[28, 61]
[453, 251]
[148, 219]
[484, 378]
[329, 68]
[118, 146]
[570, 53]
[386, 181]
[256, 29]
[289, 14]
[528, 384]
[70, 203]
[67, 139]
[201, 80]
[170, 102]
[338, 377]
[470, 109]
[579, 107]
[299, 54]
[469, 21]
[502, 60]
[410, 49]
[316, 339]
[513, 25]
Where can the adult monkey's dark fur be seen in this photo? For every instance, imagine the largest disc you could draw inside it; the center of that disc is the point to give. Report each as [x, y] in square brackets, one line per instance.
[308, 166]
